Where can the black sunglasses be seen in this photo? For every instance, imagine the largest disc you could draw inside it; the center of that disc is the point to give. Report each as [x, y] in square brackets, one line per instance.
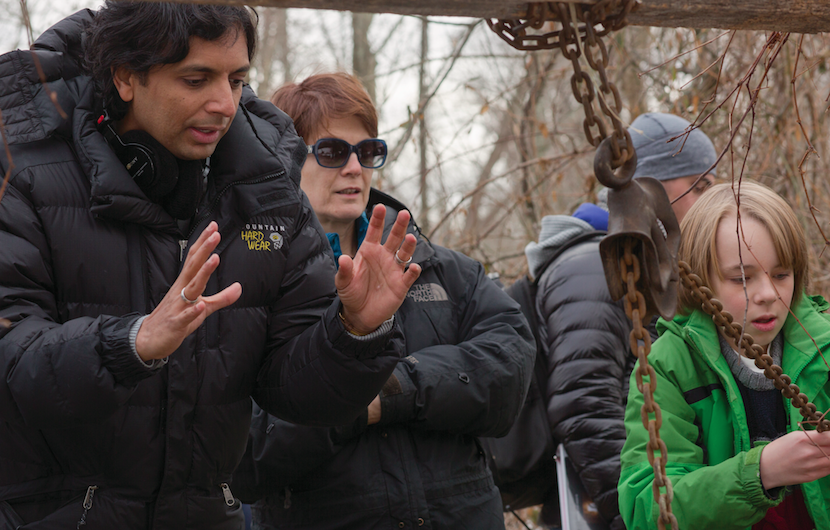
[334, 152]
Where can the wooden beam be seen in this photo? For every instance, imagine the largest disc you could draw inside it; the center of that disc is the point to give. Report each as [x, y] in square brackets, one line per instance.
[798, 16]
[450, 8]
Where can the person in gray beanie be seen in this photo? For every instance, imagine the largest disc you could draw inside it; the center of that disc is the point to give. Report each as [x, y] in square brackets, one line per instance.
[583, 332]
[665, 153]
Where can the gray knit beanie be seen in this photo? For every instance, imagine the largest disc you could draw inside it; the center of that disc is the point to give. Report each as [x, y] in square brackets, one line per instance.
[659, 158]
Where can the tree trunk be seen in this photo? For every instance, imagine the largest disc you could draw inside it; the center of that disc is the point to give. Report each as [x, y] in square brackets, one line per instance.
[363, 59]
[273, 49]
[422, 130]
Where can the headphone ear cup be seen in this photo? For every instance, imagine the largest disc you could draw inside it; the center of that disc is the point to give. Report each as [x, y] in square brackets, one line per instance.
[149, 163]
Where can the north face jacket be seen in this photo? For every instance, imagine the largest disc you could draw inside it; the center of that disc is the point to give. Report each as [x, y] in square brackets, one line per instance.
[714, 470]
[469, 360]
[88, 435]
[584, 336]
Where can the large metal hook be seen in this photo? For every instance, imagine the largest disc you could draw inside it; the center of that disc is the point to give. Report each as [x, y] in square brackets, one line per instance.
[639, 209]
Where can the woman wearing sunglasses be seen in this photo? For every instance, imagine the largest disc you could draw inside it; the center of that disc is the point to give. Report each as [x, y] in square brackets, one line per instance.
[412, 461]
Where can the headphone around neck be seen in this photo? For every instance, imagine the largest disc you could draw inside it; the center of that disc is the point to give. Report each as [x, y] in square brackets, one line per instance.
[173, 183]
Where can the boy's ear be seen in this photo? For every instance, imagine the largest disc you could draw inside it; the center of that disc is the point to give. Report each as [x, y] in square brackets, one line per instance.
[125, 81]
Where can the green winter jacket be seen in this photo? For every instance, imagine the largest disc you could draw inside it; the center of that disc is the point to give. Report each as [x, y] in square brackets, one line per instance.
[713, 468]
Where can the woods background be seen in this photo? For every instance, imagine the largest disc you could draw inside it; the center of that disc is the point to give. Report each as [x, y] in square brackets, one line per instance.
[485, 140]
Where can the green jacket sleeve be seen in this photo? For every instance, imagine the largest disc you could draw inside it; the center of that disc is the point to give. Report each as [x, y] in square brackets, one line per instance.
[726, 495]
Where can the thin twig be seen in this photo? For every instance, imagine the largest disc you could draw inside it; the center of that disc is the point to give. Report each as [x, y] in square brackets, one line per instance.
[696, 124]
[775, 37]
[664, 63]
[520, 519]
[810, 149]
[27, 22]
[414, 116]
[484, 183]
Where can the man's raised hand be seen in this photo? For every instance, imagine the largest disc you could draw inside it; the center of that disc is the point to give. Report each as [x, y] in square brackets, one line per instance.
[374, 285]
[183, 308]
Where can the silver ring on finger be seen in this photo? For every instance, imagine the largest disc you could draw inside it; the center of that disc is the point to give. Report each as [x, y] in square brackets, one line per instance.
[186, 299]
[399, 261]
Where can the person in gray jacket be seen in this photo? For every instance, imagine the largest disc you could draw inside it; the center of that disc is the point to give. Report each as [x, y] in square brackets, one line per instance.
[584, 334]
[412, 460]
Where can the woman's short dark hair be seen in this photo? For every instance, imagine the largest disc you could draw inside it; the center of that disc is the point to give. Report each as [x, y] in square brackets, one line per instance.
[141, 35]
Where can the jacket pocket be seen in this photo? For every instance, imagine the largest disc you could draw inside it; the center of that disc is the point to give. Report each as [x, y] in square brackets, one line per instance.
[215, 512]
[98, 509]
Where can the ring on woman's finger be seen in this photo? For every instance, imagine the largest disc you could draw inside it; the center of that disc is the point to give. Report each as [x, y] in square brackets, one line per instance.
[399, 261]
[186, 299]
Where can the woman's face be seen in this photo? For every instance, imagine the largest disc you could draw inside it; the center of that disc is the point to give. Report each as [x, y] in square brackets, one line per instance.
[769, 286]
[338, 195]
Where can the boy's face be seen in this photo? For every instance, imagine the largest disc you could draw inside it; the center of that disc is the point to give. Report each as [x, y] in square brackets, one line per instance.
[188, 106]
[769, 295]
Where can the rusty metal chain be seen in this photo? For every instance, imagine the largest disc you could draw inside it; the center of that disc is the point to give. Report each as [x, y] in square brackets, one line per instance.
[581, 32]
[612, 14]
[724, 320]
[573, 45]
[635, 309]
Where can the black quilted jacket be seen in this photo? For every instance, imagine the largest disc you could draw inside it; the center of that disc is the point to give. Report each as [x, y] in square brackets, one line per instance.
[83, 253]
[585, 338]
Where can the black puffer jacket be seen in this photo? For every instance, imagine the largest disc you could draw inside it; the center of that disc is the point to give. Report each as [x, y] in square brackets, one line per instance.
[470, 357]
[84, 253]
[585, 336]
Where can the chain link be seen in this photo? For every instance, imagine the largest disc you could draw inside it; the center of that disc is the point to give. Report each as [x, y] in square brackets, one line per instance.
[640, 341]
[612, 14]
[734, 331]
[581, 32]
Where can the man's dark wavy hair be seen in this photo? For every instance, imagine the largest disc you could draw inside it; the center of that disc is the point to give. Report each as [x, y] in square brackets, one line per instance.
[141, 35]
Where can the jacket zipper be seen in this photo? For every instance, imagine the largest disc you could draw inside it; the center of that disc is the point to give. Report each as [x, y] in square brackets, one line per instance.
[226, 491]
[206, 213]
[182, 247]
[90, 493]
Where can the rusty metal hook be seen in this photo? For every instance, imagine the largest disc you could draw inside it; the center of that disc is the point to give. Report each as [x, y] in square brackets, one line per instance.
[640, 210]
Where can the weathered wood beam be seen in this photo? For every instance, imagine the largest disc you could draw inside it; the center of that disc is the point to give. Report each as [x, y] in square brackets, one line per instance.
[449, 8]
[798, 16]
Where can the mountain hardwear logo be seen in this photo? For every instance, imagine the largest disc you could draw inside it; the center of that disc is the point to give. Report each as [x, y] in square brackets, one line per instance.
[254, 236]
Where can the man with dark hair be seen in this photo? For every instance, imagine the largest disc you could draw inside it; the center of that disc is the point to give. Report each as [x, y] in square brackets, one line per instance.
[148, 186]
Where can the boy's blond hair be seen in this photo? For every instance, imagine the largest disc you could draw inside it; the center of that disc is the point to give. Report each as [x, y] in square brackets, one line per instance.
[700, 225]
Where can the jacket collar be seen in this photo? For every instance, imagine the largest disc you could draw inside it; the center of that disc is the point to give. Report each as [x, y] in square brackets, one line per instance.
[423, 249]
[799, 348]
